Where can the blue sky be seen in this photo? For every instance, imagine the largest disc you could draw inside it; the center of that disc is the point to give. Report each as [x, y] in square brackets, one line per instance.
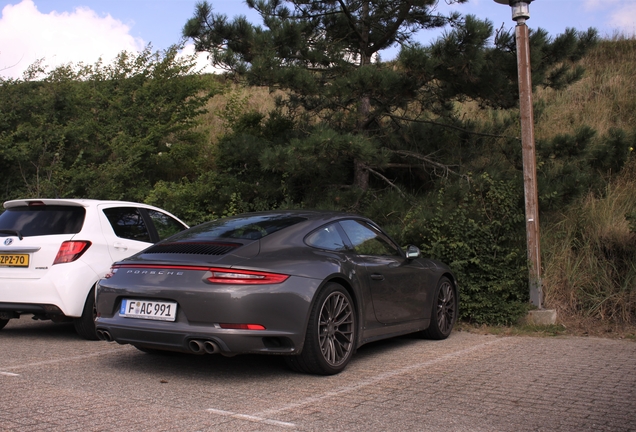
[63, 31]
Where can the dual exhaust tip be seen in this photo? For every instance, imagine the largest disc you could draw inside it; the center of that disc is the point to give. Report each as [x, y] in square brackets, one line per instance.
[104, 335]
[203, 347]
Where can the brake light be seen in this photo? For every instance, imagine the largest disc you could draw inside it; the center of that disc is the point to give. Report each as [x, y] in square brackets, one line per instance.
[219, 275]
[70, 251]
[242, 326]
[110, 274]
[245, 277]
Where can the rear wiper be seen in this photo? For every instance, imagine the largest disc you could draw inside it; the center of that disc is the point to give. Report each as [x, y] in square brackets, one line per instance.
[14, 232]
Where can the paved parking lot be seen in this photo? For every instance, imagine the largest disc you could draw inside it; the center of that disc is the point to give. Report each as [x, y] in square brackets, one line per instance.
[50, 379]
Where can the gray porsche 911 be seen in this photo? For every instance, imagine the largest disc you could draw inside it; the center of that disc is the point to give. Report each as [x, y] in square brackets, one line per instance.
[310, 285]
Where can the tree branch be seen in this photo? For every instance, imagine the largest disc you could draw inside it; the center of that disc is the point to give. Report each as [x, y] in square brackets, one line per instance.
[350, 19]
[389, 182]
[403, 12]
[428, 161]
[396, 117]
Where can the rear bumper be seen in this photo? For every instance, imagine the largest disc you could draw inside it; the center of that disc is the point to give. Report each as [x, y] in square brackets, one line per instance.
[61, 291]
[178, 338]
[30, 308]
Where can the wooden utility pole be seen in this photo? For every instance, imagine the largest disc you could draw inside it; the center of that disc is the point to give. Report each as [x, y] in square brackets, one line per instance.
[520, 13]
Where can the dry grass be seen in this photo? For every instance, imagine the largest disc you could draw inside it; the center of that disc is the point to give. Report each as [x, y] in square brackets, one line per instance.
[589, 256]
[248, 99]
[604, 98]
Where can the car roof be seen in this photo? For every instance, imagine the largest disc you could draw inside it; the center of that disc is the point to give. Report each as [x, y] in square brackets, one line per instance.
[67, 202]
[309, 214]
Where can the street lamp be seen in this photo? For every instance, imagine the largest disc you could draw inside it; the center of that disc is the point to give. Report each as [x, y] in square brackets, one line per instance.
[520, 13]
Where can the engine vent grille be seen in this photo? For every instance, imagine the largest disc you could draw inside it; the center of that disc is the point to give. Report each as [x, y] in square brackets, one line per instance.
[193, 248]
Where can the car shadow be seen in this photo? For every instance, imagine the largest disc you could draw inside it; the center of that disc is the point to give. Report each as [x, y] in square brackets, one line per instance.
[386, 345]
[26, 327]
[246, 367]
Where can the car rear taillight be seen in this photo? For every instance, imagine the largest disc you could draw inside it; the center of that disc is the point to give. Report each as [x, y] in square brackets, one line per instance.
[219, 275]
[242, 326]
[245, 277]
[113, 270]
[70, 251]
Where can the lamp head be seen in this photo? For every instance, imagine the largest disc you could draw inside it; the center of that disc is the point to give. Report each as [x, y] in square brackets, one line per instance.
[520, 9]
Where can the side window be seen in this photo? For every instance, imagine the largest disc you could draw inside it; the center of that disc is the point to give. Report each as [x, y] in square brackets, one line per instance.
[165, 225]
[326, 237]
[367, 240]
[128, 223]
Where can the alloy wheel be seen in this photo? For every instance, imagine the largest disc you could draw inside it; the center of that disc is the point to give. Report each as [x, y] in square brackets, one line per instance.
[336, 329]
[446, 307]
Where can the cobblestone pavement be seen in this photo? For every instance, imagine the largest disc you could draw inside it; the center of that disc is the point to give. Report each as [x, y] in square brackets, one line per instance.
[52, 380]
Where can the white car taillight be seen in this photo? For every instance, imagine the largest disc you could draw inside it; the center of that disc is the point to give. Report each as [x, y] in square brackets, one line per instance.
[70, 251]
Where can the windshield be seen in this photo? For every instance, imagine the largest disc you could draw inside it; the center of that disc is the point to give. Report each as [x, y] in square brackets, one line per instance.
[246, 228]
[30, 221]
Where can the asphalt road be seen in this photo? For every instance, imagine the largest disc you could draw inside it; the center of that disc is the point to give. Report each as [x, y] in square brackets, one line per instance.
[50, 379]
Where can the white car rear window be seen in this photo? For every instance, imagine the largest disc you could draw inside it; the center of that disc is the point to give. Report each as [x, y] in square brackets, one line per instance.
[39, 220]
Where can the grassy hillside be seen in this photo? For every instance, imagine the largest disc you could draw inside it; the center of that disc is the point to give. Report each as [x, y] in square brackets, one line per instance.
[604, 98]
[589, 256]
[589, 248]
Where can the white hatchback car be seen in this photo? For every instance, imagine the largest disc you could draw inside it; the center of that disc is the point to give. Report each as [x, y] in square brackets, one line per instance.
[53, 251]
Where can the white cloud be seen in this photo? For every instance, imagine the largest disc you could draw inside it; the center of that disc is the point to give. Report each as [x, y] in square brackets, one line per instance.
[202, 62]
[624, 18]
[27, 35]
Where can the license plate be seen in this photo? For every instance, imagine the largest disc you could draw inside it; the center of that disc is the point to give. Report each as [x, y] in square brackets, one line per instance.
[147, 309]
[14, 260]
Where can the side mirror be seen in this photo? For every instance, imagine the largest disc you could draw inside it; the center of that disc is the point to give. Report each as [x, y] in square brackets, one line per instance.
[412, 252]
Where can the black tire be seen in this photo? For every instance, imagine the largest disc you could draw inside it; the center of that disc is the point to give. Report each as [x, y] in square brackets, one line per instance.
[331, 334]
[85, 325]
[444, 312]
[3, 322]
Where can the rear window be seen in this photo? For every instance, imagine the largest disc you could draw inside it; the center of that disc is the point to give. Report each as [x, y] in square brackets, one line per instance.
[245, 228]
[165, 225]
[42, 220]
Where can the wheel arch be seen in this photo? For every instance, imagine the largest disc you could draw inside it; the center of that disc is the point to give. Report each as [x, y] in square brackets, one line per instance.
[453, 280]
[355, 297]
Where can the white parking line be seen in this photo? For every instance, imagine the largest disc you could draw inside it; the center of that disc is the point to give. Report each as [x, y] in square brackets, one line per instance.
[59, 360]
[378, 378]
[9, 374]
[262, 417]
[251, 418]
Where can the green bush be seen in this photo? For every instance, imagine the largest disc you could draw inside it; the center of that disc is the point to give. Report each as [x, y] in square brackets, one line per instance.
[482, 239]
[192, 201]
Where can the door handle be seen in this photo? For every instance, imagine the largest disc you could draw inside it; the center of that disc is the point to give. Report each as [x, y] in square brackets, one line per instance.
[376, 276]
[119, 245]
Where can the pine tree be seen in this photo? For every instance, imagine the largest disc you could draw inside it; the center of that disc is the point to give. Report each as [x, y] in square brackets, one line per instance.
[398, 115]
